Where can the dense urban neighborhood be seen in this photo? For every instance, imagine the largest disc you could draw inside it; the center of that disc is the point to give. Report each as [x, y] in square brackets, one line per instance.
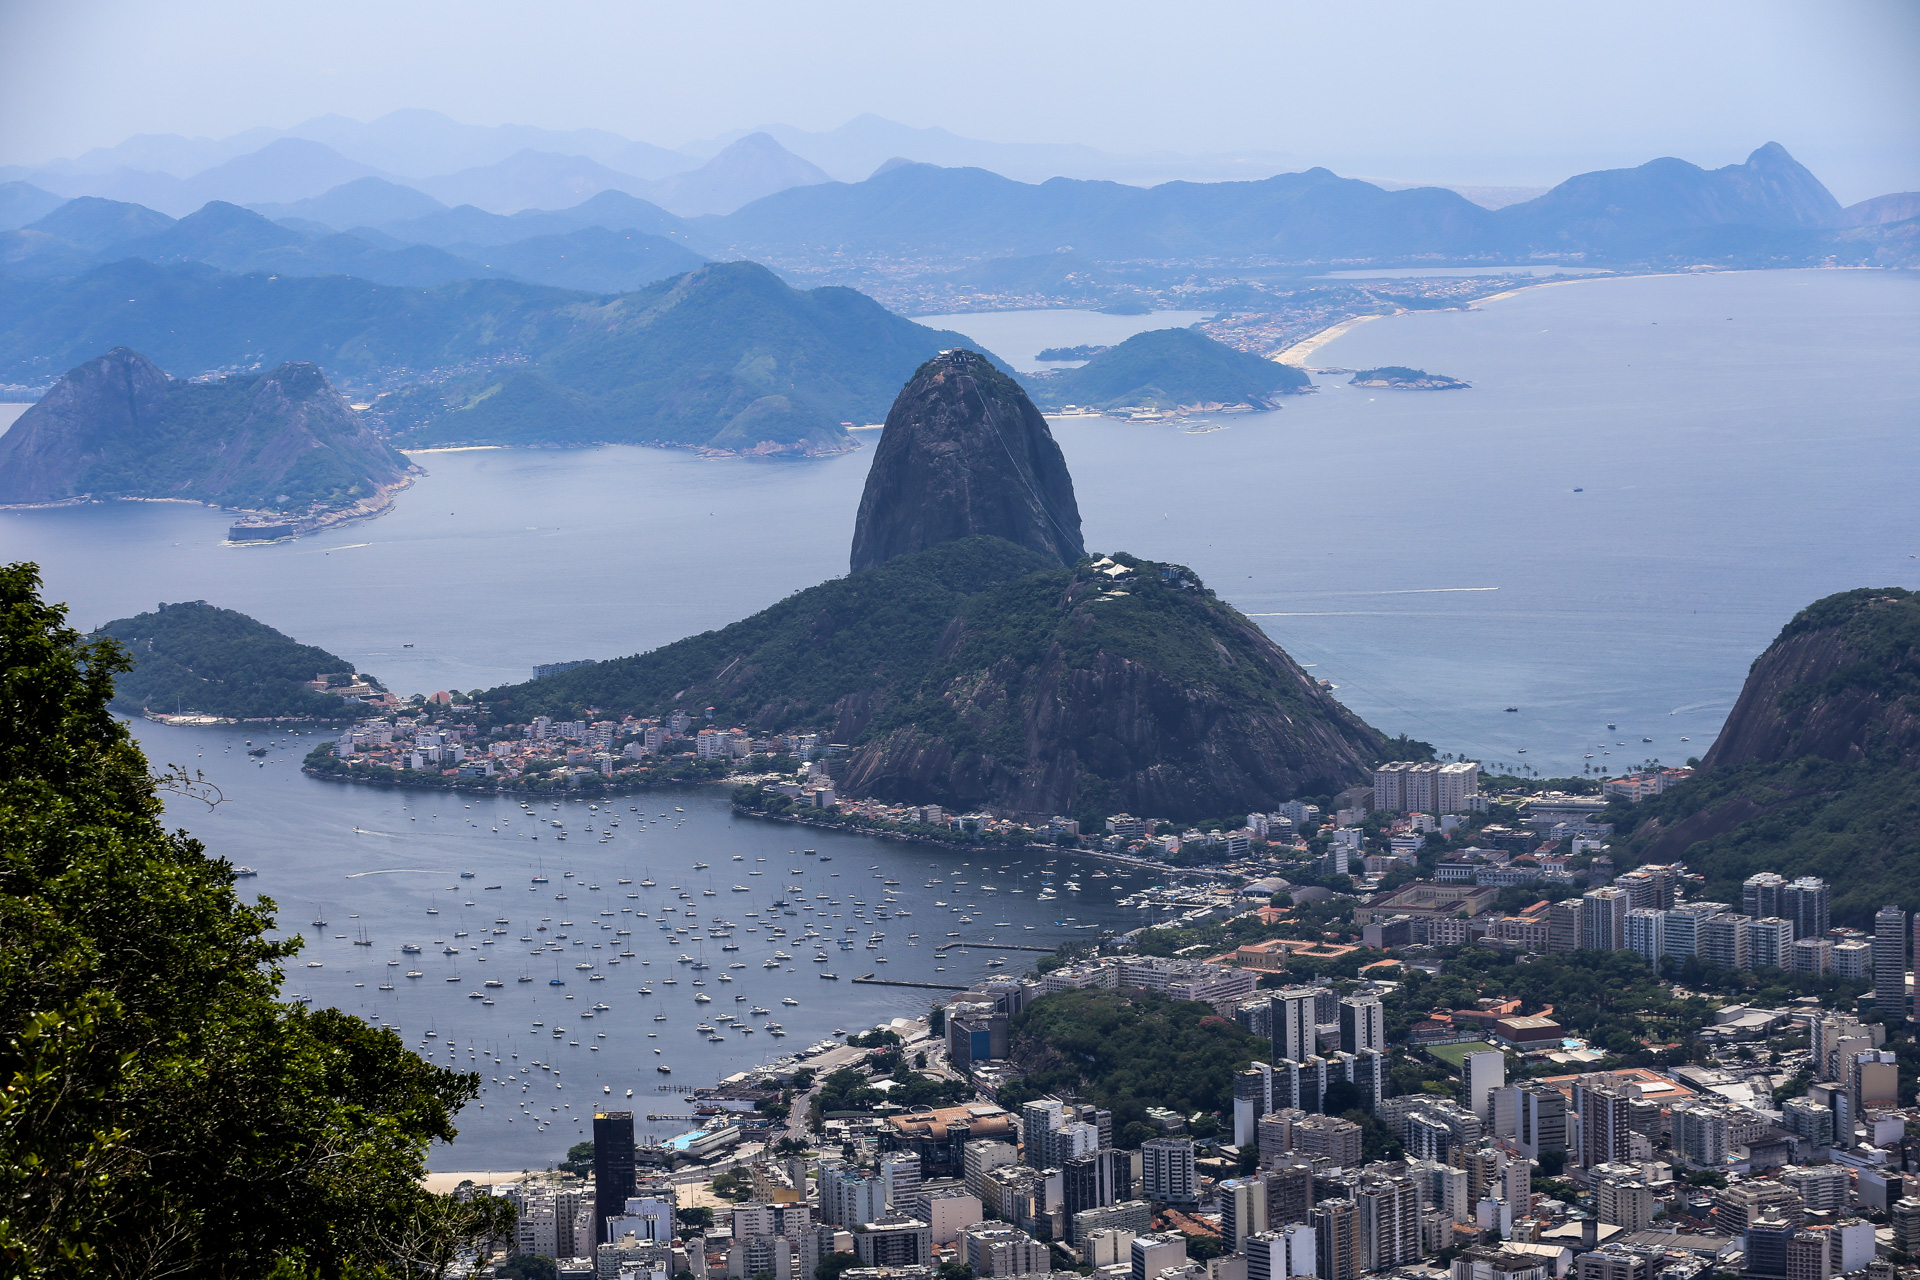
[1435, 1027]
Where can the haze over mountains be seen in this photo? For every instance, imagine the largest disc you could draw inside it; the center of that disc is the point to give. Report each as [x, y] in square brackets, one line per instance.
[483, 310]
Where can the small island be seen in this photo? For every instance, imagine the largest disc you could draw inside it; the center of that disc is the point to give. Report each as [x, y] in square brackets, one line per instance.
[1085, 351]
[1167, 371]
[197, 663]
[1400, 378]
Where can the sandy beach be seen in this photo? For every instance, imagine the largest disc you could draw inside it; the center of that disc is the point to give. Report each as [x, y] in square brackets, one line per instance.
[1302, 350]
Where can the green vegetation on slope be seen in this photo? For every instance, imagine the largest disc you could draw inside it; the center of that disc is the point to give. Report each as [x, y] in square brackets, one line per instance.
[726, 356]
[908, 632]
[1128, 1050]
[165, 1112]
[785, 667]
[1856, 825]
[196, 657]
[1166, 368]
[1814, 771]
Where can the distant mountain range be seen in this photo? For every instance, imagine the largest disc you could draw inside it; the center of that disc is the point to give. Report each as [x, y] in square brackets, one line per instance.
[726, 357]
[569, 252]
[293, 169]
[1057, 239]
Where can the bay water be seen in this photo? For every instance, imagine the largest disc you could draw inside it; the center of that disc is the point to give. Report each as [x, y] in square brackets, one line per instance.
[1648, 477]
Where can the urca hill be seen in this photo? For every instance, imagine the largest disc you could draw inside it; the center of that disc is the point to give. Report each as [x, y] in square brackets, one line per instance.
[119, 427]
[1815, 771]
[977, 657]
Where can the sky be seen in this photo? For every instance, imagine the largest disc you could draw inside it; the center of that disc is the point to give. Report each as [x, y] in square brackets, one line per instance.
[1489, 92]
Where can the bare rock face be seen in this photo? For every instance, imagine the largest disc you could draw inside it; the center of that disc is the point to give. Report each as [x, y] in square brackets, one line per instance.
[80, 425]
[1842, 682]
[965, 454]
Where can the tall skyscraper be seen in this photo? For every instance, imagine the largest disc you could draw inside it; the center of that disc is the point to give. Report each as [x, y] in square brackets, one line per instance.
[1282, 1253]
[1482, 1072]
[1762, 895]
[1243, 1210]
[1604, 1114]
[1292, 1024]
[1890, 964]
[1603, 919]
[1363, 1024]
[1252, 1098]
[613, 1164]
[1336, 1235]
[1808, 902]
[1389, 1222]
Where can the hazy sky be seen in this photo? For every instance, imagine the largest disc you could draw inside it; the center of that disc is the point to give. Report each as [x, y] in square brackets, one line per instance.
[1475, 92]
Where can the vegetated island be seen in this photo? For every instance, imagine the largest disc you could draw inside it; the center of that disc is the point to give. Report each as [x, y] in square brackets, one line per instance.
[1083, 352]
[1165, 371]
[195, 663]
[1400, 378]
[281, 445]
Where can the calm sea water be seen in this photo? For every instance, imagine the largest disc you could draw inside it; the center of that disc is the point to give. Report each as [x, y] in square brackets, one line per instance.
[1647, 479]
[390, 867]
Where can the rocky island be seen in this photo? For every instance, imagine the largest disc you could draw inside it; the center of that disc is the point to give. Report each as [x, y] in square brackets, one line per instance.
[1170, 370]
[1401, 378]
[280, 444]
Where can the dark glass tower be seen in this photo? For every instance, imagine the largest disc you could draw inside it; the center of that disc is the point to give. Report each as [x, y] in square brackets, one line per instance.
[612, 1167]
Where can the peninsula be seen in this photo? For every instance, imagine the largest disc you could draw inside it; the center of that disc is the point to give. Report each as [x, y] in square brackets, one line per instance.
[194, 662]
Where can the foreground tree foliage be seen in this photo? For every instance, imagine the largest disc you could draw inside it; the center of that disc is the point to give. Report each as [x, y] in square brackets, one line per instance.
[162, 1113]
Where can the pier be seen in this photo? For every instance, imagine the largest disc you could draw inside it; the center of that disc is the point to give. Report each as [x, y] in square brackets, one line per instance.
[995, 946]
[872, 981]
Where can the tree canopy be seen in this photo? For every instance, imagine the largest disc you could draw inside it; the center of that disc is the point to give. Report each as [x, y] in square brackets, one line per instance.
[162, 1111]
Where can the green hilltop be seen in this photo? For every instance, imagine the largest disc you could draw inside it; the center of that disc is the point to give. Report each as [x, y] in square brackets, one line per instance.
[1817, 771]
[1168, 369]
[727, 356]
[195, 657]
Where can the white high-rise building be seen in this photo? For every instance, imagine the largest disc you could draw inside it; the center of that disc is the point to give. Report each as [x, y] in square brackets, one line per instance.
[1363, 1024]
[1277, 1255]
[1167, 1171]
[1890, 965]
[1482, 1072]
[1295, 1036]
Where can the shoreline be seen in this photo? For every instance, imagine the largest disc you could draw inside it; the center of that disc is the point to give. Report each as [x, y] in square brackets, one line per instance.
[1303, 349]
[1307, 346]
[886, 833]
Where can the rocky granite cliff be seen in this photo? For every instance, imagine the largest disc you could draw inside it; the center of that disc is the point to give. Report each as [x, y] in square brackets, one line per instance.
[965, 454]
[119, 427]
[1841, 681]
[1817, 770]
